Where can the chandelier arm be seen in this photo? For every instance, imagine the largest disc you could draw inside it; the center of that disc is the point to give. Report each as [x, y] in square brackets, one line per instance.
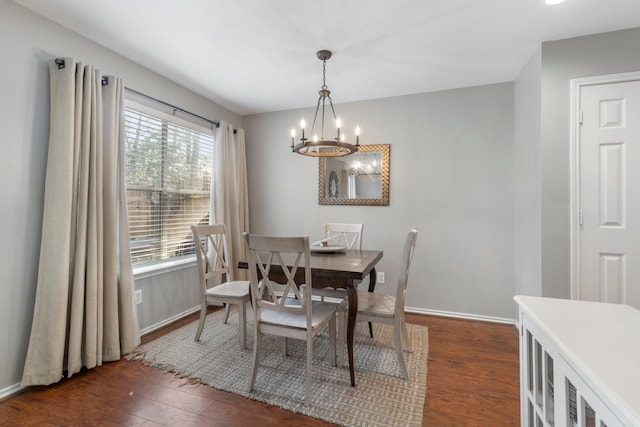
[335, 118]
[324, 90]
[332, 110]
[324, 98]
[315, 116]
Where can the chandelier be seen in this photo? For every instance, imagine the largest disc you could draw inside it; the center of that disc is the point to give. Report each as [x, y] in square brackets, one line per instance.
[319, 146]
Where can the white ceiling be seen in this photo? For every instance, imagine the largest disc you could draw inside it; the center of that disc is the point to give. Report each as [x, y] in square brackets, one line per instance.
[255, 56]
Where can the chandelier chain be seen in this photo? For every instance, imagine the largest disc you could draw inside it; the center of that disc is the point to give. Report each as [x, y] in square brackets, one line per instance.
[324, 75]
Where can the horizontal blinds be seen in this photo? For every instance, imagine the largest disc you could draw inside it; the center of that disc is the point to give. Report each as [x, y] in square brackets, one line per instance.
[168, 181]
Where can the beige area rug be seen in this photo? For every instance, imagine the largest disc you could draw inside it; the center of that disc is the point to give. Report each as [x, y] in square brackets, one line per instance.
[381, 397]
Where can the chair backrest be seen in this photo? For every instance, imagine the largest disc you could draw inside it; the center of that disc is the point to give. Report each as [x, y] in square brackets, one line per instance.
[349, 235]
[211, 253]
[279, 264]
[403, 277]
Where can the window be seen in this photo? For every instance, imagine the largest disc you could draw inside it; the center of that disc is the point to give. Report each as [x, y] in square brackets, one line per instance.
[168, 182]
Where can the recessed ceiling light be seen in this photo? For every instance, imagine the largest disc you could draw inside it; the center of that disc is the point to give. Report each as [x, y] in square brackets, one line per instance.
[553, 2]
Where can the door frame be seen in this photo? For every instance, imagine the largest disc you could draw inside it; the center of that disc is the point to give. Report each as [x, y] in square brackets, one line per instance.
[574, 168]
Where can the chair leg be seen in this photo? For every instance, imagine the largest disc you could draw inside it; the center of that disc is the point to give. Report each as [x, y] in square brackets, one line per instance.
[203, 316]
[370, 290]
[398, 344]
[405, 337]
[227, 308]
[242, 324]
[332, 340]
[307, 392]
[342, 326]
[256, 358]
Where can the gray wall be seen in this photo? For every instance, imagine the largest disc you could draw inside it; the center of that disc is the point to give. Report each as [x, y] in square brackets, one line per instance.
[167, 295]
[528, 111]
[27, 42]
[563, 60]
[452, 176]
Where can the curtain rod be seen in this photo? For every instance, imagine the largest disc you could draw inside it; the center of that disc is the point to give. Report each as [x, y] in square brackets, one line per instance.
[166, 104]
[60, 62]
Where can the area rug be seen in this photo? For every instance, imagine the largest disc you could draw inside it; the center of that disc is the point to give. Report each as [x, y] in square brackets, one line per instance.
[381, 397]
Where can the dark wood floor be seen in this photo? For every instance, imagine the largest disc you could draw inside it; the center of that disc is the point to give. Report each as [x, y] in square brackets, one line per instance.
[472, 380]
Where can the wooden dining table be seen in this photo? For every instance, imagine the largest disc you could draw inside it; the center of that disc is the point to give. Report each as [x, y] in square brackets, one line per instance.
[343, 269]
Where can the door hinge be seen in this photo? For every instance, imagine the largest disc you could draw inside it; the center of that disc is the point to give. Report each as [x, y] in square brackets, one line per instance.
[580, 217]
[580, 117]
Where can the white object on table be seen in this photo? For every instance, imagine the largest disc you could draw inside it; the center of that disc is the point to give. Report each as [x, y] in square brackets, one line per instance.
[320, 242]
[328, 249]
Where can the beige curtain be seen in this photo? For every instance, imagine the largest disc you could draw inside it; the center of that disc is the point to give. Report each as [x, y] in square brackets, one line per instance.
[231, 198]
[84, 312]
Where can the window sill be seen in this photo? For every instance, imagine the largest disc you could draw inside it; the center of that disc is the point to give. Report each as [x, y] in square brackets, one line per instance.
[162, 267]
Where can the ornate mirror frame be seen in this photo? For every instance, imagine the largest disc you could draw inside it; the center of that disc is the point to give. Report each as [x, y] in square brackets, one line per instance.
[338, 177]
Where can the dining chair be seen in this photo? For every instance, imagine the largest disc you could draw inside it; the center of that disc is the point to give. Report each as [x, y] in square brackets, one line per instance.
[339, 234]
[283, 309]
[376, 307]
[212, 255]
[348, 235]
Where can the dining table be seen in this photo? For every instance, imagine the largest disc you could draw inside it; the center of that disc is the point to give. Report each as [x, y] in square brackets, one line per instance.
[341, 269]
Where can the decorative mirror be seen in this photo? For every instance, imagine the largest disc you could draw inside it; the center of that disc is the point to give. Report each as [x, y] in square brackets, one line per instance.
[361, 178]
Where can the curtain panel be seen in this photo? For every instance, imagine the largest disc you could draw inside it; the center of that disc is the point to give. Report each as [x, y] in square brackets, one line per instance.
[231, 198]
[84, 311]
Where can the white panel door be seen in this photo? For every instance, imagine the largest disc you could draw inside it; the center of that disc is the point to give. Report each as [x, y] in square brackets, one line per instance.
[609, 248]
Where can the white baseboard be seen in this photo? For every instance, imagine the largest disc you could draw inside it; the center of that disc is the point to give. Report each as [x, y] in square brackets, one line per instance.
[6, 393]
[169, 320]
[460, 315]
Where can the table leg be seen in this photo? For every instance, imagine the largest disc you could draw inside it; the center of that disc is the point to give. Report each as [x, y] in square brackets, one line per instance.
[372, 287]
[351, 326]
[372, 280]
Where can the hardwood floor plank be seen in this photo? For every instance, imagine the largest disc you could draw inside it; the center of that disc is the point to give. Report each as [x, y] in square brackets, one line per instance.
[472, 380]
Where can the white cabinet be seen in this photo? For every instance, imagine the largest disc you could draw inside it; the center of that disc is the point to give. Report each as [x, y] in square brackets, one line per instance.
[579, 363]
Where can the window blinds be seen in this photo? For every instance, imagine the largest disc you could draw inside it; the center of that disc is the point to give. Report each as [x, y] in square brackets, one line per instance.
[168, 181]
